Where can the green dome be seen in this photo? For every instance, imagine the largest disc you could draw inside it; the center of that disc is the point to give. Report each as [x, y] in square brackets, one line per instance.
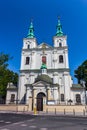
[44, 78]
[43, 66]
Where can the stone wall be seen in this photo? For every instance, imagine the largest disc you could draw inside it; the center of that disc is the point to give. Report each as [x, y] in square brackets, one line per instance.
[50, 108]
[14, 108]
[61, 108]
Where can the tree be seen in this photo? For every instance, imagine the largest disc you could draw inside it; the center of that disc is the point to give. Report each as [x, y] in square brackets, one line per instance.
[6, 75]
[81, 73]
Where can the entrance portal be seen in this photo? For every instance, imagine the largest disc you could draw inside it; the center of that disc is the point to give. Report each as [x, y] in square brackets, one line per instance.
[40, 101]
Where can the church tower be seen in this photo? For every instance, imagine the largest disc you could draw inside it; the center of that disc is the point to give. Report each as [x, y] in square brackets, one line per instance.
[27, 62]
[60, 42]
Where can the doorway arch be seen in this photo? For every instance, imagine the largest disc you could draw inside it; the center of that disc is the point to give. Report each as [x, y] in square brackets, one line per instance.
[40, 101]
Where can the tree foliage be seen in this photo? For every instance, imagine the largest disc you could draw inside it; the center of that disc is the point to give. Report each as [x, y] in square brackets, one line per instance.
[6, 75]
[81, 73]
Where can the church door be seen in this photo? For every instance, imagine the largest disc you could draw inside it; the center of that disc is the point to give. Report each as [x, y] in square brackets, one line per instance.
[40, 101]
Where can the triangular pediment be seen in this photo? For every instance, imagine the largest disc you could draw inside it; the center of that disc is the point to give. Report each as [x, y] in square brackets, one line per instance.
[44, 45]
[40, 83]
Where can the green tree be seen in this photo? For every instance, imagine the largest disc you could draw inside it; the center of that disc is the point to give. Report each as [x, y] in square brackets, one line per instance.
[6, 75]
[81, 73]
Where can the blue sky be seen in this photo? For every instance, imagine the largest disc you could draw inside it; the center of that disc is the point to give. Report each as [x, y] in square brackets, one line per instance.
[15, 18]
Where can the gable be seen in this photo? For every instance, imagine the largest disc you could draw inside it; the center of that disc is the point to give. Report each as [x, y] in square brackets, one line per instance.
[44, 45]
[40, 83]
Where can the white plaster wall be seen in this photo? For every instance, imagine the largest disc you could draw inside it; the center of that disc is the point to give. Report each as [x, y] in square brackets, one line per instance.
[21, 88]
[36, 59]
[81, 92]
[28, 94]
[29, 41]
[67, 86]
[52, 57]
[57, 40]
[55, 93]
[8, 96]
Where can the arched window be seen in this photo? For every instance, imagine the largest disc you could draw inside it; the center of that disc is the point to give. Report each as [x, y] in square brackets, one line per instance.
[28, 46]
[60, 44]
[60, 59]
[78, 98]
[44, 59]
[27, 60]
[62, 97]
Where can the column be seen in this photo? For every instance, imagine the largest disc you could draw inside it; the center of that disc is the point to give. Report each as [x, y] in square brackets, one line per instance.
[30, 104]
[34, 98]
[48, 94]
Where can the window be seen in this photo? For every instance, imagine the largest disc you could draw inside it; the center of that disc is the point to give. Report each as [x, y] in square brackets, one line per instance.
[28, 46]
[30, 31]
[62, 97]
[27, 60]
[78, 98]
[60, 44]
[12, 97]
[44, 59]
[60, 59]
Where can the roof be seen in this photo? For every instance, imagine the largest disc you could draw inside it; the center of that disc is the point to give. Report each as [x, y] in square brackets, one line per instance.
[77, 86]
[11, 86]
[45, 44]
[45, 78]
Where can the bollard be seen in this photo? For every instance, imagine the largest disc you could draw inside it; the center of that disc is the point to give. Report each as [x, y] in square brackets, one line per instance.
[47, 111]
[17, 108]
[55, 111]
[73, 112]
[35, 111]
[64, 112]
[83, 112]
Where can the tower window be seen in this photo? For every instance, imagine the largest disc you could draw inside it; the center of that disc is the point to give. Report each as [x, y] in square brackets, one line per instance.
[60, 59]
[44, 59]
[60, 44]
[28, 46]
[27, 60]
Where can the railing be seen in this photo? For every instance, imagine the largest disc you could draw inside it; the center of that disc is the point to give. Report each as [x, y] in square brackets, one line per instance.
[64, 112]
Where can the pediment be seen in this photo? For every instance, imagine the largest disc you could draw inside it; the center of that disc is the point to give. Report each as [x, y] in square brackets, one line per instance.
[40, 83]
[44, 45]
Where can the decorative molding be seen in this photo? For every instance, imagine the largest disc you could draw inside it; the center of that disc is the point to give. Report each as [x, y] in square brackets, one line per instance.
[48, 70]
[47, 49]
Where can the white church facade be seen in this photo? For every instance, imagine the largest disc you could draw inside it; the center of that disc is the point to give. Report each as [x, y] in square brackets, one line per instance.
[45, 74]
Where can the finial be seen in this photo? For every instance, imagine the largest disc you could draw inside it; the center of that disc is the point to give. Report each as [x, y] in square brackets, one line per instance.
[58, 17]
[31, 21]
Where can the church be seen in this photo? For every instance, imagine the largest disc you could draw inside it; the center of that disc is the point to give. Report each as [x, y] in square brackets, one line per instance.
[45, 74]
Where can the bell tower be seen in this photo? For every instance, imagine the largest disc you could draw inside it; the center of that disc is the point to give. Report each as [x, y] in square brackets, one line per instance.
[60, 40]
[60, 45]
[30, 41]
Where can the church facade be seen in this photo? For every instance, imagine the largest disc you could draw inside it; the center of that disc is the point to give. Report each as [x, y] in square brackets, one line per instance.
[45, 74]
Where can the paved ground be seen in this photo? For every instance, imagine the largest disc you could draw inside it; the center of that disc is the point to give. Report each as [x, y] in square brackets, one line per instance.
[10, 121]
